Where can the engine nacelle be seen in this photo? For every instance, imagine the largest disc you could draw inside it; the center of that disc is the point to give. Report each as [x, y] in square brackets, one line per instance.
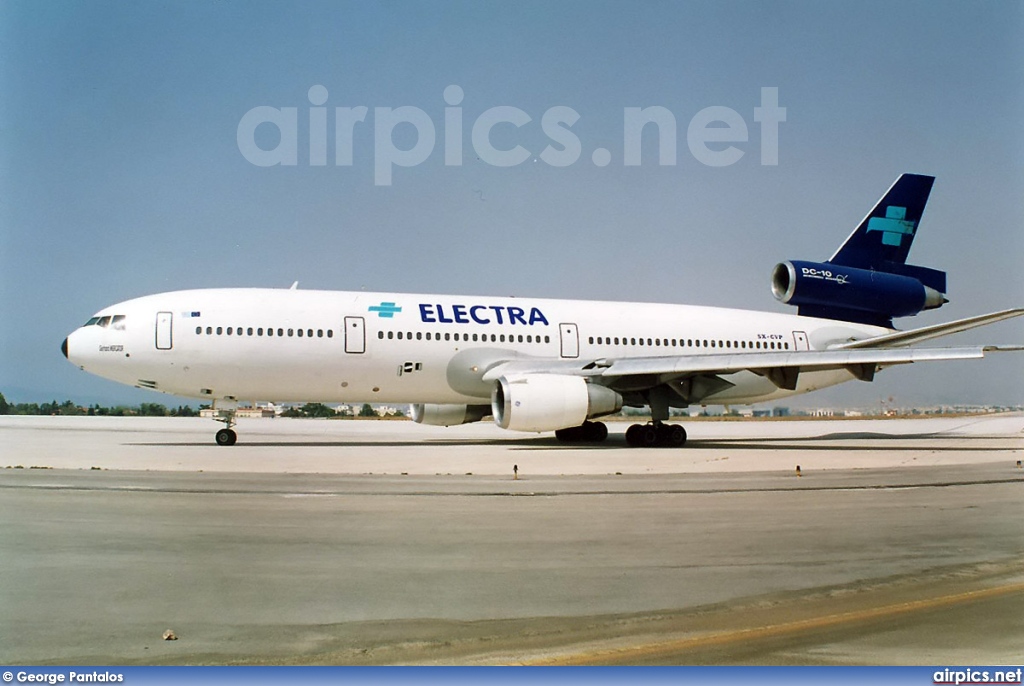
[448, 415]
[547, 402]
[828, 285]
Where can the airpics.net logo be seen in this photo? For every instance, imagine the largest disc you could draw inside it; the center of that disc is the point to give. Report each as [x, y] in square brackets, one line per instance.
[713, 134]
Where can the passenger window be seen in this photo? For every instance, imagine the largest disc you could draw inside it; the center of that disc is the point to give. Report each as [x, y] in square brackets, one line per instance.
[259, 331]
[280, 332]
[248, 331]
[300, 333]
[330, 333]
[199, 329]
[220, 330]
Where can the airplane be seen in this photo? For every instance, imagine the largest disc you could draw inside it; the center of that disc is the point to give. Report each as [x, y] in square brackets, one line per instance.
[538, 365]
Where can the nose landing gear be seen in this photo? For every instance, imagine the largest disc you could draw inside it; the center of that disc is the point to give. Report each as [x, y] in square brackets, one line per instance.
[226, 415]
[226, 437]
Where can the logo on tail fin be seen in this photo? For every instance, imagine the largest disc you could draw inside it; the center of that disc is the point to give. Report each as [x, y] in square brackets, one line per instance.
[893, 225]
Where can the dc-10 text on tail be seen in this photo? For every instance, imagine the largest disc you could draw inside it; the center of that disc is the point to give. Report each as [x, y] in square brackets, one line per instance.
[536, 364]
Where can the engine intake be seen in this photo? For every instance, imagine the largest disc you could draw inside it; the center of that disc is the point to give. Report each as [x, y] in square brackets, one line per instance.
[819, 287]
[547, 402]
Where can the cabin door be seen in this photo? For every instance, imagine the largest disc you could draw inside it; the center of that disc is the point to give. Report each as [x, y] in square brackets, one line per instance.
[570, 336]
[164, 330]
[355, 335]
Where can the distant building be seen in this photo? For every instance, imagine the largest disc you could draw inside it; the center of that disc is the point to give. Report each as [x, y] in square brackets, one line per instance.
[258, 412]
[255, 412]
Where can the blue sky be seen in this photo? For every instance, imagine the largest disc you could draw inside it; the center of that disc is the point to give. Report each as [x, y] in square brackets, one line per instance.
[121, 175]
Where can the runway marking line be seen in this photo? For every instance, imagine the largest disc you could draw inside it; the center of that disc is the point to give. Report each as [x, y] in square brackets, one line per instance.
[719, 638]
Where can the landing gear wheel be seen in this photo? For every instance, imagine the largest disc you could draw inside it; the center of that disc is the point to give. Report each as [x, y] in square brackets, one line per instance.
[676, 436]
[226, 437]
[588, 432]
[648, 436]
[642, 435]
[656, 435]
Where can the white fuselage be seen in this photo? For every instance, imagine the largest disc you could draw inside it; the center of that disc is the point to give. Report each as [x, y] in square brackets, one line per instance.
[354, 347]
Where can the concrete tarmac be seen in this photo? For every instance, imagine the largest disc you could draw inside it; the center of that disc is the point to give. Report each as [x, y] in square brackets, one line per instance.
[901, 543]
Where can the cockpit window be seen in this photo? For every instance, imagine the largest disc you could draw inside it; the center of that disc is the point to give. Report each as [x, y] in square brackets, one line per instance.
[116, 321]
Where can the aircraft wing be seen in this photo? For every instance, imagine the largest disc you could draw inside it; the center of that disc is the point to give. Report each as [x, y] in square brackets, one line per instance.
[902, 338]
[861, 358]
[782, 368]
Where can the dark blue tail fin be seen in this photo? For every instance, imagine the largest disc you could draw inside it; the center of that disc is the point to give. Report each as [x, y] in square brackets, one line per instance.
[868, 280]
[881, 242]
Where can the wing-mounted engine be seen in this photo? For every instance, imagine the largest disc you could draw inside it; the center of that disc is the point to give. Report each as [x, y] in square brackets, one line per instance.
[821, 289]
[547, 402]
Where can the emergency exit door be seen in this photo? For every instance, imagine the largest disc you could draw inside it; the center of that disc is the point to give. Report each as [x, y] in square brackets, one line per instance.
[800, 340]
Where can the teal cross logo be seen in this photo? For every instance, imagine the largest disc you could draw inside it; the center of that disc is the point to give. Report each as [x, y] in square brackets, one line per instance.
[893, 225]
[385, 309]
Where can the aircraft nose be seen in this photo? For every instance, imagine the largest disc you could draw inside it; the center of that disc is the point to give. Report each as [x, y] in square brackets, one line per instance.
[64, 347]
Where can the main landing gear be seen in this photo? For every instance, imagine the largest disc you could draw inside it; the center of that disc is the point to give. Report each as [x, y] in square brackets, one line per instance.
[653, 435]
[656, 435]
[588, 432]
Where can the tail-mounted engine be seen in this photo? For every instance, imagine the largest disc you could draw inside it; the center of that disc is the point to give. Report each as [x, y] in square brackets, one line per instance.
[870, 297]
